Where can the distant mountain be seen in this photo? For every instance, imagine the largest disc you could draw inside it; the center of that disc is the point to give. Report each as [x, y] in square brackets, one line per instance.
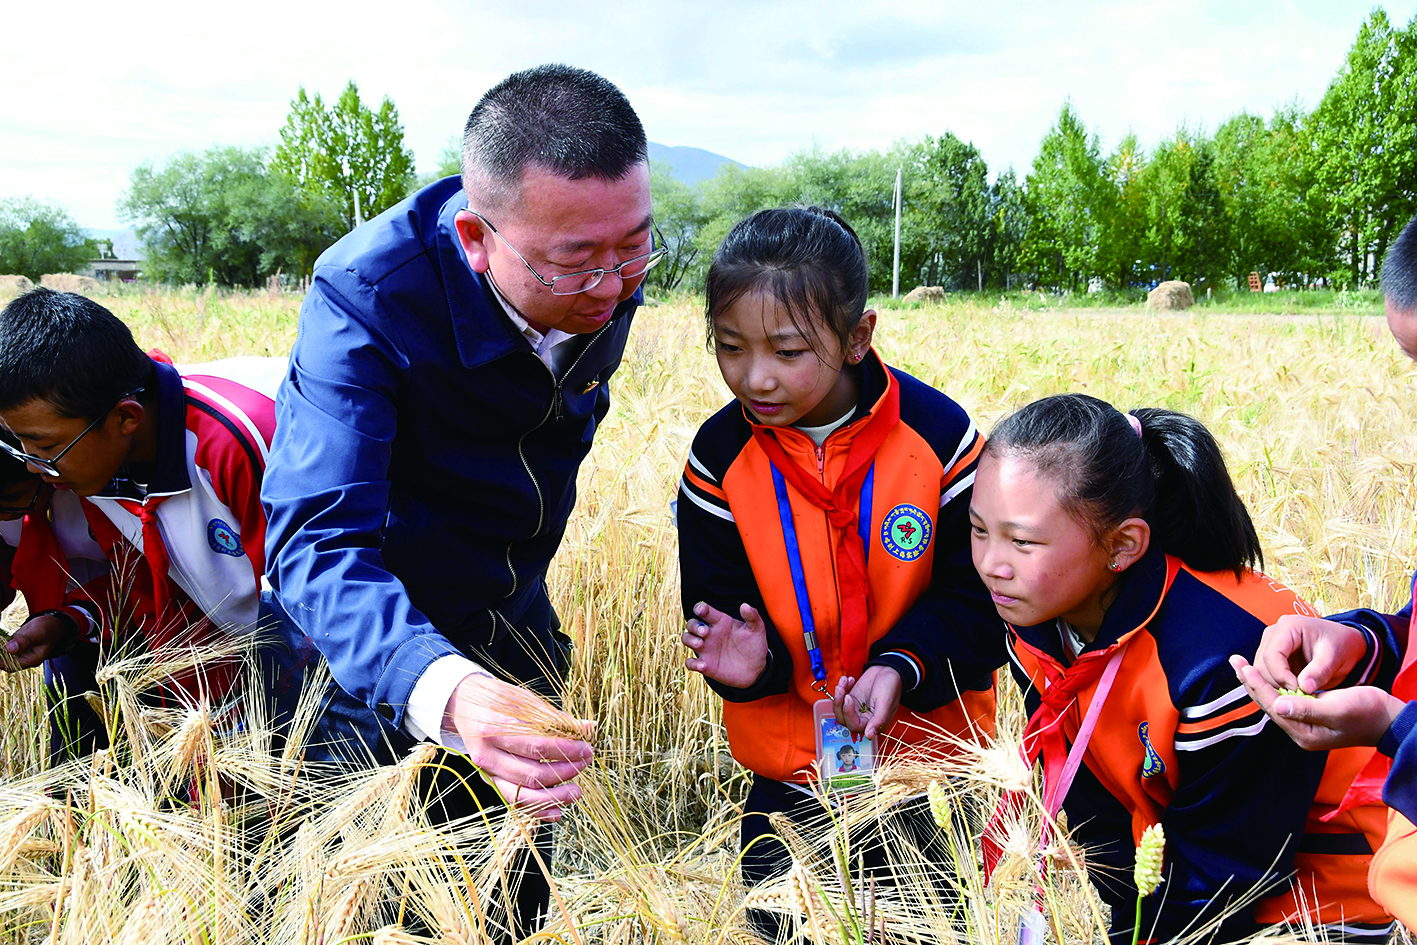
[125, 242]
[690, 165]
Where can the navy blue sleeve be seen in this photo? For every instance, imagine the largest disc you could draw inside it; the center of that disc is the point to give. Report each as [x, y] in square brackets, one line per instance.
[1387, 635]
[1400, 744]
[713, 564]
[326, 494]
[953, 629]
[1243, 789]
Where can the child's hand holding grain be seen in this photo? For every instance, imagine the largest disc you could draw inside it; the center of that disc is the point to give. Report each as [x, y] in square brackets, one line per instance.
[729, 651]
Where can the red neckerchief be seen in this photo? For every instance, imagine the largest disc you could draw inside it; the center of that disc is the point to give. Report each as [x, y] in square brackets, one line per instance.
[842, 507]
[1367, 786]
[1043, 738]
[39, 570]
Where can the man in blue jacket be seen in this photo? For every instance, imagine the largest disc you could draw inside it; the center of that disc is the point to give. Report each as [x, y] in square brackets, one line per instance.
[451, 367]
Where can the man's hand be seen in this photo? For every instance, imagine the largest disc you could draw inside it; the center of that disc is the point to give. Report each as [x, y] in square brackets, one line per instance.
[868, 704]
[1337, 718]
[532, 772]
[39, 639]
[733, 652]
[1308, 653]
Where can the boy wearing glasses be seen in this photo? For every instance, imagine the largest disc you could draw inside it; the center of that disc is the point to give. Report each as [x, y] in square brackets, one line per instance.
[169, 464]
[48, 555]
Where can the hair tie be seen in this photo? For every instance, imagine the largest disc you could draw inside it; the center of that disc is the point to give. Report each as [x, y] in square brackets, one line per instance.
[1136, 423]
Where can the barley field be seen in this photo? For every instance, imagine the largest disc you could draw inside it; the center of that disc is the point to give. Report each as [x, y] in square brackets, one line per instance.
[190, 831]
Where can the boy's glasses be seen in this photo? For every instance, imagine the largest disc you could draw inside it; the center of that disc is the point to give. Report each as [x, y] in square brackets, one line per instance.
[50, 467]
[585, 279]
[21, 510]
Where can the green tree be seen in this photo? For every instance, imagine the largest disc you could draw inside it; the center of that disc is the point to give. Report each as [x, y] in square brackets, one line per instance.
[222, 216]
[1275, 219]
[346, 153]
[38, 238]
[679, 217]
[1364, 134]
[947, 200]
[1069, 200]
[1009, 222]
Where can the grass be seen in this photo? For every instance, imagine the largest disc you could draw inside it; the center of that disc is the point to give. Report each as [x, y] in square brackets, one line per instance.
[156, 842]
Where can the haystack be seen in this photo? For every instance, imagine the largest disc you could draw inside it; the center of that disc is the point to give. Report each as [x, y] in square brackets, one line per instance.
[1170, 296]
[67, 282]
[16, 284]
[925, 293]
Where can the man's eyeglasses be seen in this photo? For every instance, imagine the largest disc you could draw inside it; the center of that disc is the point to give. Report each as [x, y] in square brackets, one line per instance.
[50, 467]
[585, 279]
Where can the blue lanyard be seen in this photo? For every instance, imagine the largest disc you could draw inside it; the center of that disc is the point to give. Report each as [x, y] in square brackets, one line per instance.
[799, 574]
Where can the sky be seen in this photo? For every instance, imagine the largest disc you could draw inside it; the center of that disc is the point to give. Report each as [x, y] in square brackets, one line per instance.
[100, 88]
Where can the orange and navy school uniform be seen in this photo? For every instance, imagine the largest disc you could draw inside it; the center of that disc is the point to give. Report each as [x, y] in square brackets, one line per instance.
[1392, 774]
[1179, 742]
[750, 533]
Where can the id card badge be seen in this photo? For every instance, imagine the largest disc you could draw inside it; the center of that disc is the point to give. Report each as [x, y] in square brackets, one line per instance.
[845, 760]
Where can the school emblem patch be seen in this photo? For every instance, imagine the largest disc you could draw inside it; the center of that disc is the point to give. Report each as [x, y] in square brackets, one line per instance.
[222, 538]
[1153, 765]
[906, 532]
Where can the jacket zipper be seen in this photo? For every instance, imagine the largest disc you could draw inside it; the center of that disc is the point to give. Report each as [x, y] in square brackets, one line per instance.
[555, 407]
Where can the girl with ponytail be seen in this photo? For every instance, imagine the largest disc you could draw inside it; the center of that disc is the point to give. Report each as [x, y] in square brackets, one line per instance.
[1121, 559]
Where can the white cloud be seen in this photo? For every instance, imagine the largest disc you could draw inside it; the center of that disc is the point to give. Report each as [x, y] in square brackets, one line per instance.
[103, 89]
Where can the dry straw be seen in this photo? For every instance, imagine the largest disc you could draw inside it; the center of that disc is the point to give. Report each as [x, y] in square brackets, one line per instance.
[200, 830]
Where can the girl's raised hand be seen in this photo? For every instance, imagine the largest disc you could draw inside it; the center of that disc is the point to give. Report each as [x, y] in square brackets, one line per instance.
[868, 704]
[729, 651]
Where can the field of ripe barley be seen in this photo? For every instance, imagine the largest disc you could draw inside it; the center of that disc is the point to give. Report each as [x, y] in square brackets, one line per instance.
[189, 830]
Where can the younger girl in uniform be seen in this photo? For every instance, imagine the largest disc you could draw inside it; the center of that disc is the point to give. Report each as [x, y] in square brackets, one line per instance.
[1117, 551]
[823, 535]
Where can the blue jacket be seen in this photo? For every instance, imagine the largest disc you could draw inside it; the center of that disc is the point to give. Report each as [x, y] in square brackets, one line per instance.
[424, 460]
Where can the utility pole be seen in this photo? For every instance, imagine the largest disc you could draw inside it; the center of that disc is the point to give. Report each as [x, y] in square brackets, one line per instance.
[895, 269]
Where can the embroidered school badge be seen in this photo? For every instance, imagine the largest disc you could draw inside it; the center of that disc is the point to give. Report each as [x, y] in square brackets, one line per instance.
[906, 532]
[1153, 765]
[223, 539]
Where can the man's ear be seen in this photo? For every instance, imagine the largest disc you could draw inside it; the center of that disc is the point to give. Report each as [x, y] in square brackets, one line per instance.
[1128, 542]
[474, 235]
[130, 413]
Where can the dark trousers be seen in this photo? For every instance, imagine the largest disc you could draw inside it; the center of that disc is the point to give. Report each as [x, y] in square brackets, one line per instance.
[349, 733]
[75, 729]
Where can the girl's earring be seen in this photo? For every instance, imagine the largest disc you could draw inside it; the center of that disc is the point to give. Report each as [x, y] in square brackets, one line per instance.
[1114, 567]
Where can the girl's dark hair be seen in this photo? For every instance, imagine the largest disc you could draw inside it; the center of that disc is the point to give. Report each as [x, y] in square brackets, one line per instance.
[1172, 475]
[807, 258]
[68, 351]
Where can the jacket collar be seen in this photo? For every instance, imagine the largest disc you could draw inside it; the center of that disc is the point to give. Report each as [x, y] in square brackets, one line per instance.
[169, 475]
[1143, 588]
[481, 329]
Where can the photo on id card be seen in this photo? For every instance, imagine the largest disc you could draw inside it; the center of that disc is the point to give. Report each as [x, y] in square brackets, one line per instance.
[844, 762]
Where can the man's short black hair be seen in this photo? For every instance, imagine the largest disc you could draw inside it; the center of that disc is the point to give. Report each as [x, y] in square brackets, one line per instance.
[68, 351]
[570, 121]
[1400, 270]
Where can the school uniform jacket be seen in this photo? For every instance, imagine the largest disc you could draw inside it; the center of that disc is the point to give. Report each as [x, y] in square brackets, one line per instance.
[1392, 879]
[930, 617]
[1179, 742]
[425, 460]
[51, 557]
[199, 527]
